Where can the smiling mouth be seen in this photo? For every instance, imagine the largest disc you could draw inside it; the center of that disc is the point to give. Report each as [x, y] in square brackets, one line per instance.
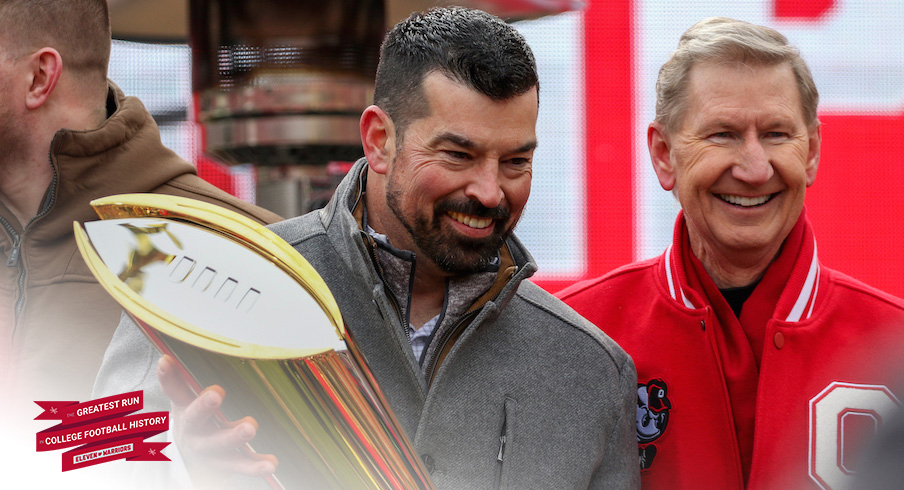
[472, 221]
[746, 202]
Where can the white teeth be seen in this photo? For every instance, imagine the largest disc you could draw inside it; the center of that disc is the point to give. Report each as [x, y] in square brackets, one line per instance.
[472, 221]
[745, 201]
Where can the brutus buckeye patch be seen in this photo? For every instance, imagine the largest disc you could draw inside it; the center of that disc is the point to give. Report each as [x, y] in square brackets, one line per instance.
[653, 407]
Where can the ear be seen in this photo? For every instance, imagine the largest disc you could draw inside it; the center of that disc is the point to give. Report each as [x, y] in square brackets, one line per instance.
[378, 138]
[813, 154]
[45, 68]
[660, 155]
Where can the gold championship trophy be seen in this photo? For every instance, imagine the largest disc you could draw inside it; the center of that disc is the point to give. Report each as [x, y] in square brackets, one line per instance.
[236, 306]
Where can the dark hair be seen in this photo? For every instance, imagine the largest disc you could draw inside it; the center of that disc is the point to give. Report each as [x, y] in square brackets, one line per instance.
[78, 29]
[468, 46]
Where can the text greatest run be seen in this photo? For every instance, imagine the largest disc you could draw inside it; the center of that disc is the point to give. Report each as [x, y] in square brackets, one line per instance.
[102, 407]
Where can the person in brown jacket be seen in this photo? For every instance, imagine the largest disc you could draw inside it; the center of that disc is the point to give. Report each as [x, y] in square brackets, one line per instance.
[67, 136]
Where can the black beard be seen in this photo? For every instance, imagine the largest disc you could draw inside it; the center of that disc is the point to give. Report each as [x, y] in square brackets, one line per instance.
[450, 251]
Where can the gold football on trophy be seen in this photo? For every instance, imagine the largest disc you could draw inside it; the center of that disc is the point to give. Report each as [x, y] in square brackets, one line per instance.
[236, 306]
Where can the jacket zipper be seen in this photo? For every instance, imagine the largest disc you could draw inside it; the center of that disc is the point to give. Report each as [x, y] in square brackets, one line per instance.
[371, 250]
[499, 459]
[500, 456]
[13, 259]
[441, 346]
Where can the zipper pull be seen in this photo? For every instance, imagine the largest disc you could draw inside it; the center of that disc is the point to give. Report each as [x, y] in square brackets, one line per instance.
[14, 254]
[501, 448]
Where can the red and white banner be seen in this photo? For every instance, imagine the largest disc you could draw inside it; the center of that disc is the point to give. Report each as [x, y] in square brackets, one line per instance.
[104, 430]
[854, 49]
[595, 202]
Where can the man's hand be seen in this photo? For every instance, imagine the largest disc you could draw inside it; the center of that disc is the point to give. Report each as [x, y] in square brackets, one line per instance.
[211, 452]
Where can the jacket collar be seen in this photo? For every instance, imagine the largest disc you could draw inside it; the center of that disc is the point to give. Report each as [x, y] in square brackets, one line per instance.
[796, 272]
[123, 155]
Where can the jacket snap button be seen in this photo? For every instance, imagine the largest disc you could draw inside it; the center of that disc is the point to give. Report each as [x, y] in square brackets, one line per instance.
[779, 340]
[429, 464]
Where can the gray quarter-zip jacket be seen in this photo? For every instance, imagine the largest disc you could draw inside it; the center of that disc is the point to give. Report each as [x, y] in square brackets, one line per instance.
[520, 393]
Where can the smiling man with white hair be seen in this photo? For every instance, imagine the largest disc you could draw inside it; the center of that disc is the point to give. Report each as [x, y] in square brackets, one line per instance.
[757, 361]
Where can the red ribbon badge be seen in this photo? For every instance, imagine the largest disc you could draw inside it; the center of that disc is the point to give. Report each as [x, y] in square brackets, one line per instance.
[104, 429]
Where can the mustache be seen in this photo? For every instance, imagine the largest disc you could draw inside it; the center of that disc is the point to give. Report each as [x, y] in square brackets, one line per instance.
[472, 207]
